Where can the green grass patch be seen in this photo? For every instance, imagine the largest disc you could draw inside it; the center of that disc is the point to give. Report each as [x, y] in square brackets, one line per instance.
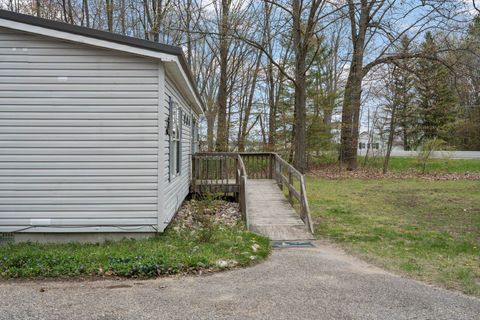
[405, 164]
[444, 165]
[176, 251]
[426, 229]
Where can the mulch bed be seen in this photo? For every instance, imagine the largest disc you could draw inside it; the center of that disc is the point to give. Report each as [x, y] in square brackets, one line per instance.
[221, 212]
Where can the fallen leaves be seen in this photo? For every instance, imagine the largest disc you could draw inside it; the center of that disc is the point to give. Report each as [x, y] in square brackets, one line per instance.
[222, 213]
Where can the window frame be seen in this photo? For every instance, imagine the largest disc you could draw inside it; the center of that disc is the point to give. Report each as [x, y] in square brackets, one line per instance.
[175, 139]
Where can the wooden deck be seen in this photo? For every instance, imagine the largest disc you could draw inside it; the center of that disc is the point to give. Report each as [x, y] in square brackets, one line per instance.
[258, 181]
[270, 213]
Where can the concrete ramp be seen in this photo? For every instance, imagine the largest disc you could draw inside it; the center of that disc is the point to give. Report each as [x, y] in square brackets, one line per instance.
[270, 214]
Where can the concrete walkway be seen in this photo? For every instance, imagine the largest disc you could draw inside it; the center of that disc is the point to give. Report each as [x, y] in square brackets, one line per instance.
[314, 283]
[270, 213]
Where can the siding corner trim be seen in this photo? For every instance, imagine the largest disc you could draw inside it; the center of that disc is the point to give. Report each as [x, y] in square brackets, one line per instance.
[161, 184]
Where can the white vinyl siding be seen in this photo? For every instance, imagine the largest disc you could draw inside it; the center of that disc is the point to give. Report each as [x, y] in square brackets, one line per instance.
[177, 187]
[78, 138]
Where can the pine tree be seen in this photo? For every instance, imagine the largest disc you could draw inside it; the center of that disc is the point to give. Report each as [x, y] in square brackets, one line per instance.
[466, 132]
[319, 98]
[436, 97]
[401, 91]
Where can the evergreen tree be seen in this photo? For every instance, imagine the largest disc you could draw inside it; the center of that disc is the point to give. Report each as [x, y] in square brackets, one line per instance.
[401, 93]
[436, 97]
[466, 131]
[320, 98]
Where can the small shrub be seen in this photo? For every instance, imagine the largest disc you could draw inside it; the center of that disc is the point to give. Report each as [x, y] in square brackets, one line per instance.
[427, 148]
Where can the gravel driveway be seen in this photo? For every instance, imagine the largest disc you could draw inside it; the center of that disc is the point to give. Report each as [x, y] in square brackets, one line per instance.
[300, 283]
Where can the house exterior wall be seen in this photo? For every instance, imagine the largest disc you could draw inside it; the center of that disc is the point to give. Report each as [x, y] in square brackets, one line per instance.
[79, 139]
[177, 187]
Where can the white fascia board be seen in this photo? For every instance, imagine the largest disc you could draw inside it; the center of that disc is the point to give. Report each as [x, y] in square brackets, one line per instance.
[185, 86]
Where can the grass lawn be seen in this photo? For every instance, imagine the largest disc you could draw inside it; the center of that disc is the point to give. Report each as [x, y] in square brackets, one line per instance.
[404, 164]
[178, 250]
[429, 230]
[434, 165]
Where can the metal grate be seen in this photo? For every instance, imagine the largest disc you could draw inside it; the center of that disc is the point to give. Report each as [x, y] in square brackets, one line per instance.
[6, 237]
[292, 244]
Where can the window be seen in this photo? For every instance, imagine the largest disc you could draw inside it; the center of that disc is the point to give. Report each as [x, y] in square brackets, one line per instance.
[175, 138]
[372, 146]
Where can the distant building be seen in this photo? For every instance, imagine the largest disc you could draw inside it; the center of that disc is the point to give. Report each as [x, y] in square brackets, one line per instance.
[375, 144]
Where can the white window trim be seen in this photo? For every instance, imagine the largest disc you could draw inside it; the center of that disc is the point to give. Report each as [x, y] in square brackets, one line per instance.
[175, 139]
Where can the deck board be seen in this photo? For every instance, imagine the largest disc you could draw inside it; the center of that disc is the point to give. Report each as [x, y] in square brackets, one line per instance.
[270, 213]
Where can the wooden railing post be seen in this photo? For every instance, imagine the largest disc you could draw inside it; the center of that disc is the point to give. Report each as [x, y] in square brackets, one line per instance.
[194, 174]
[305, 208]
[280, 178]
[290, 185]
[271, 160]
[277, 172]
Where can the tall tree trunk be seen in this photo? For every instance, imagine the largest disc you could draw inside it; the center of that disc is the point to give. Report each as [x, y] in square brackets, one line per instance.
[262, 128]
[353, 88]
[391, 135]
[222, 133]
[123, 17]
[210, 115]
[291, 152]
[86, 13]
[350, 118]
[188, 23]
[299, 160]
[64, 11]
[109, 12]
[406, 145]
[70, 12]
[248, 107]
[38, 8]
[229, 109]
[272, 108]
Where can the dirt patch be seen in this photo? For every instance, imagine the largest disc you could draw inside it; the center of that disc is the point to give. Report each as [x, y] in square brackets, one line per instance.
[220, 211]
[412, 201]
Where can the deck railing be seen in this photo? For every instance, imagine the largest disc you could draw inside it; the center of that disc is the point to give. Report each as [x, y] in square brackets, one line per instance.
[286, 175]
[259, 165]
[242, 188]
[215, 172]
[228, 171]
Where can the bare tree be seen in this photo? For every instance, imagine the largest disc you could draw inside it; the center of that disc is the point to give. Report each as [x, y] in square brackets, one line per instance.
[109, 14]
[67, 11]
[305, 17]
[374, 21]
[85, 14]
[38, 8]
[222, 95]
[476, 6]
[154, 11]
